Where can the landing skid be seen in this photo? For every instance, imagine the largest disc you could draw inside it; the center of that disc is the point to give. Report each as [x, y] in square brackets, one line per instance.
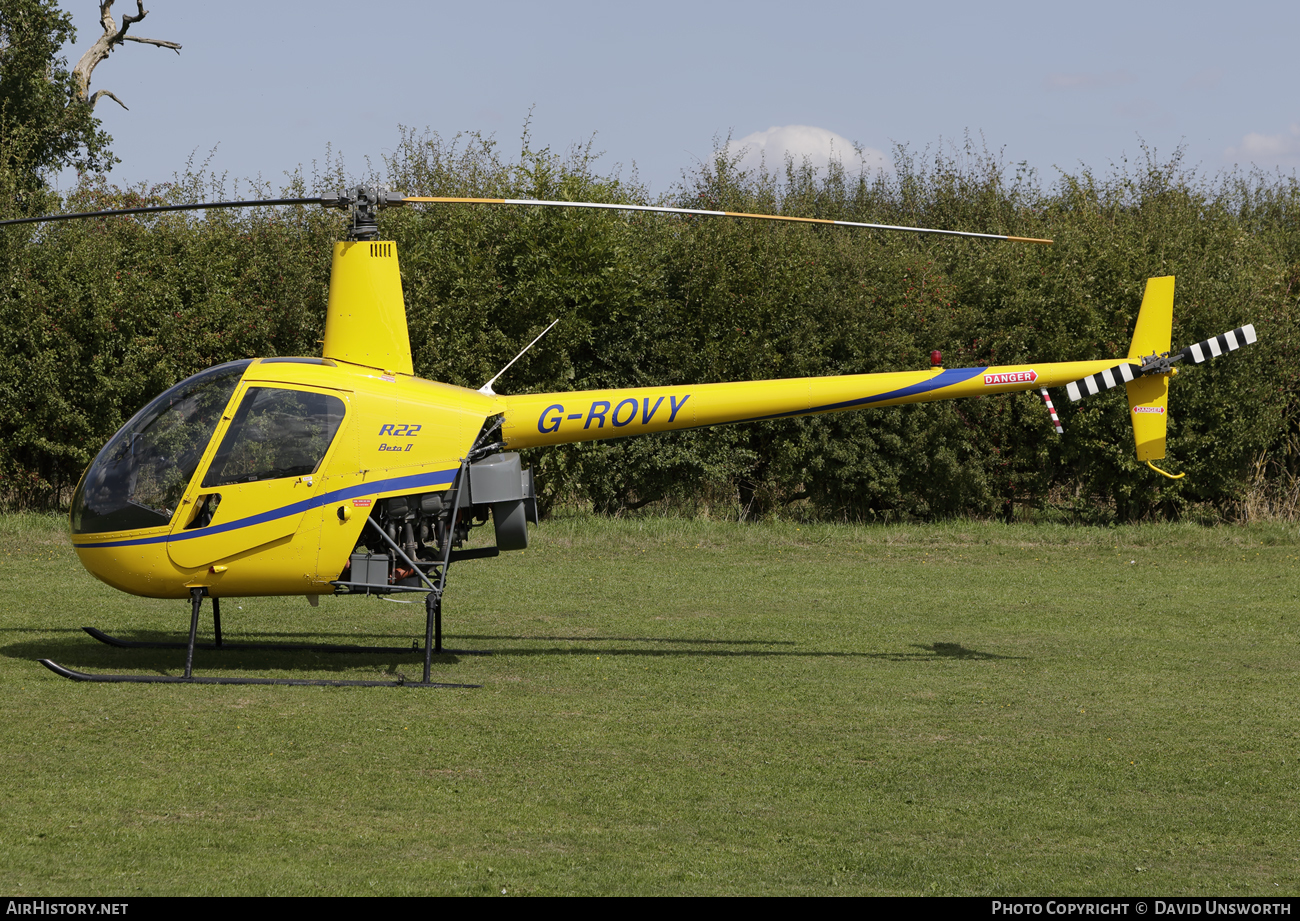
[433, 642]
[170, 679]
[110, 640]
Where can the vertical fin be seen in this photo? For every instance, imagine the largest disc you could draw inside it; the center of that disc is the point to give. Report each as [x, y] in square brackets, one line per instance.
[1148, 399]
[1155, 320]
[1148, 396]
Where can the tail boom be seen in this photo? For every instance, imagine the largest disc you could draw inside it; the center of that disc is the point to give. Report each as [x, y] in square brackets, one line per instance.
[534, 420]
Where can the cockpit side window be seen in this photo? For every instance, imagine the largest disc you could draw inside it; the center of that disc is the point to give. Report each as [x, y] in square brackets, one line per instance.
[275, 433]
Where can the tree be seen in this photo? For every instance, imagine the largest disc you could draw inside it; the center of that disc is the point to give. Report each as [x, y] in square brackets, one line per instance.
[45, 124]
[104, 45]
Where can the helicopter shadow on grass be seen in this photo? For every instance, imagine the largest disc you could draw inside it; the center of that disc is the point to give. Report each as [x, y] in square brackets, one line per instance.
[71, 647]
[594, 645]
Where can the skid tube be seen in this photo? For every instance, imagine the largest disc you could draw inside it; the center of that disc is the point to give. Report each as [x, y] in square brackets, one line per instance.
[171, 679]
[433, 608]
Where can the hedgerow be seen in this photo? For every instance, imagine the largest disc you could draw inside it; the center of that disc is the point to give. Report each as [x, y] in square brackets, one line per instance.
[98, 316]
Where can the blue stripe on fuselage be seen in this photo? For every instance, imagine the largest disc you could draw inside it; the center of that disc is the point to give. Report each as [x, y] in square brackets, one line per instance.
[415, 481]
[946, 378]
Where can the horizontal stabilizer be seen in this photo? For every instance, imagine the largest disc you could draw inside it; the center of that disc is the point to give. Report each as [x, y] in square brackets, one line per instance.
[1228, 342]
[1103, 380]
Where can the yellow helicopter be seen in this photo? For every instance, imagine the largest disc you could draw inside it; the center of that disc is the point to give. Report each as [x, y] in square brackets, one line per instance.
[347, 474]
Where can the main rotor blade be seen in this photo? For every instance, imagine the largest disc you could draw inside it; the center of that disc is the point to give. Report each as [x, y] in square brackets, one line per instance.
[155, 209]
[537, 202]
[705, 213]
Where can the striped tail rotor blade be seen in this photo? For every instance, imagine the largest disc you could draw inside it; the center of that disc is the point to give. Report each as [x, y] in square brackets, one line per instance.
[1220, 345]
[1096, 383]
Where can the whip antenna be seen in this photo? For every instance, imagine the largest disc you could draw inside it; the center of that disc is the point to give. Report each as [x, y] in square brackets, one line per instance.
[487, 388]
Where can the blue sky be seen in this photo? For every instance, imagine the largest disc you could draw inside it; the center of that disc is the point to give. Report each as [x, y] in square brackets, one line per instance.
[270, 86]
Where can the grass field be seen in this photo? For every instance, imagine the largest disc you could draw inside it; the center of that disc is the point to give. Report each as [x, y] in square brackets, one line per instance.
[678, 707]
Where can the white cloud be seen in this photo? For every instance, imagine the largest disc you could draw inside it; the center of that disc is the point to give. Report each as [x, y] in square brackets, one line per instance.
[1268, 149]
[801, 142]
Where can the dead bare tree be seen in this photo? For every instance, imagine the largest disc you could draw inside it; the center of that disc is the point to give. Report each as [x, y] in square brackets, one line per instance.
[104, 45]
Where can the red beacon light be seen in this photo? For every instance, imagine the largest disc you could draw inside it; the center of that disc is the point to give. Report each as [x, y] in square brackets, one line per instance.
[936, 358]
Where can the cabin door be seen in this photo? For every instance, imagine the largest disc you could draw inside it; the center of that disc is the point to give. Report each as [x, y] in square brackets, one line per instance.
[264, 476]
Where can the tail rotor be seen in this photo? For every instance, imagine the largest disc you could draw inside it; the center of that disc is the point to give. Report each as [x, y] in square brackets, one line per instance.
[1150, 364]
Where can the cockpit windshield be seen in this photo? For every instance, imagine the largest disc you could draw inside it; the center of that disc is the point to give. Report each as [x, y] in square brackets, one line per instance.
[141, 474]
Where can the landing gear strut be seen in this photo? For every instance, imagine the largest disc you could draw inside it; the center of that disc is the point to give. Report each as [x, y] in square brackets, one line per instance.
[432, 644]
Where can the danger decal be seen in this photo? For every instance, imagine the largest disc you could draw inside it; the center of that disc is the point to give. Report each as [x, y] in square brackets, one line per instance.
[1011, 377]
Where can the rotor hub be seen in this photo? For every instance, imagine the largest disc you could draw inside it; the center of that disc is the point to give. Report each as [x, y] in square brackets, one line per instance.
[364, 204]
[1159, 364]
